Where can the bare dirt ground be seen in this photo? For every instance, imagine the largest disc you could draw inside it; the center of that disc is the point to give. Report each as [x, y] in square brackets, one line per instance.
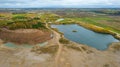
[57, 37]
[66, 55]
[23, 36]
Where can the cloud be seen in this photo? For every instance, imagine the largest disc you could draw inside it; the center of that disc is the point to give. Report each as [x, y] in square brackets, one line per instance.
[58, 3]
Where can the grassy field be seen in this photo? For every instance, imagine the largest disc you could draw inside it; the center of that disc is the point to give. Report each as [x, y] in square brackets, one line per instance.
[97, 21]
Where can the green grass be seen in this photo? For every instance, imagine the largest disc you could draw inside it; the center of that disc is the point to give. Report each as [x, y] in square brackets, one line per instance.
[93, 20]
[24, 21]
[49, 17]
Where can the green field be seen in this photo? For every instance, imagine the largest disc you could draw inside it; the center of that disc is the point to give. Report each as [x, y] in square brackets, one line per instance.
[94, 21]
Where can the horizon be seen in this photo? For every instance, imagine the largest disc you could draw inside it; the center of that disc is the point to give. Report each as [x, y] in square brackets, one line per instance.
[59, 4]
[61, 8]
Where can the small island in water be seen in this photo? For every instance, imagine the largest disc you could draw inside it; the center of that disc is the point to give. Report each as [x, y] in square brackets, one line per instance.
[74, 30]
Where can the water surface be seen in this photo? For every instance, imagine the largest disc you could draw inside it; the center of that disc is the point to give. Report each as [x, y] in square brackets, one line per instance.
[13, 45]
[84, 36]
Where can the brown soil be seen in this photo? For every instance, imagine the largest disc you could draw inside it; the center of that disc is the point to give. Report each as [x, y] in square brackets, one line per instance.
[24, 36]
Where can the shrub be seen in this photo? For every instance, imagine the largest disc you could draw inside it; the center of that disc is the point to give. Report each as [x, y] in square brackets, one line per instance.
[63, 41]
[106, 65]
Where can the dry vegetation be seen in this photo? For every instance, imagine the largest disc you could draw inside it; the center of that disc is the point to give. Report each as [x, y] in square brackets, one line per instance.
[64, 41]
[40, 50]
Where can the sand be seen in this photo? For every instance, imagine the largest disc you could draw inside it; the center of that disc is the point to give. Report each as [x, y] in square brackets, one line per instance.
[25, 36]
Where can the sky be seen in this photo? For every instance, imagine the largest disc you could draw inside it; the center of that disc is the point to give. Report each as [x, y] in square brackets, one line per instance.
[59, 3]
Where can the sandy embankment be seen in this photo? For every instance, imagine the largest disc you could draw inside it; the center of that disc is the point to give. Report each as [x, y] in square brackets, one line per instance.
[1, 41]
[24, 36]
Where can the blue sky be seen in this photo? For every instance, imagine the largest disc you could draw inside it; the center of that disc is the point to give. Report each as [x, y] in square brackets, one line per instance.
[60, 3]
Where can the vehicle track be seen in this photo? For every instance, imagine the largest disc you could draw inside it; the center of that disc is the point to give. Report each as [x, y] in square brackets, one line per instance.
[56, 38]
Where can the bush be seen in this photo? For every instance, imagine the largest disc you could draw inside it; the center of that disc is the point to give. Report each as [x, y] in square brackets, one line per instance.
[19, 17]
[63, 41]
[106, 65]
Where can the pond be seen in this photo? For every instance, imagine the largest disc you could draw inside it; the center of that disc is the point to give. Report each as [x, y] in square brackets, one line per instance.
[13, 45]
[82, 35]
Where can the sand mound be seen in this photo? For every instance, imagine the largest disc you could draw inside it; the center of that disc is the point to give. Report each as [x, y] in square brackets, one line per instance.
[24, 36]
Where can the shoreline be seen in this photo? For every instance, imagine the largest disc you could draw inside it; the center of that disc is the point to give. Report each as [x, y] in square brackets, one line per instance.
[62, 35]
[94, 28]
[76, 45]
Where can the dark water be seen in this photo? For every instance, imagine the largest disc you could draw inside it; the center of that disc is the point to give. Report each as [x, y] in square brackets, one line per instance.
[85, 36]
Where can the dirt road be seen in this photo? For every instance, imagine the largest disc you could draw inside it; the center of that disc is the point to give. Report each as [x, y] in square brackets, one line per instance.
[56, 39]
